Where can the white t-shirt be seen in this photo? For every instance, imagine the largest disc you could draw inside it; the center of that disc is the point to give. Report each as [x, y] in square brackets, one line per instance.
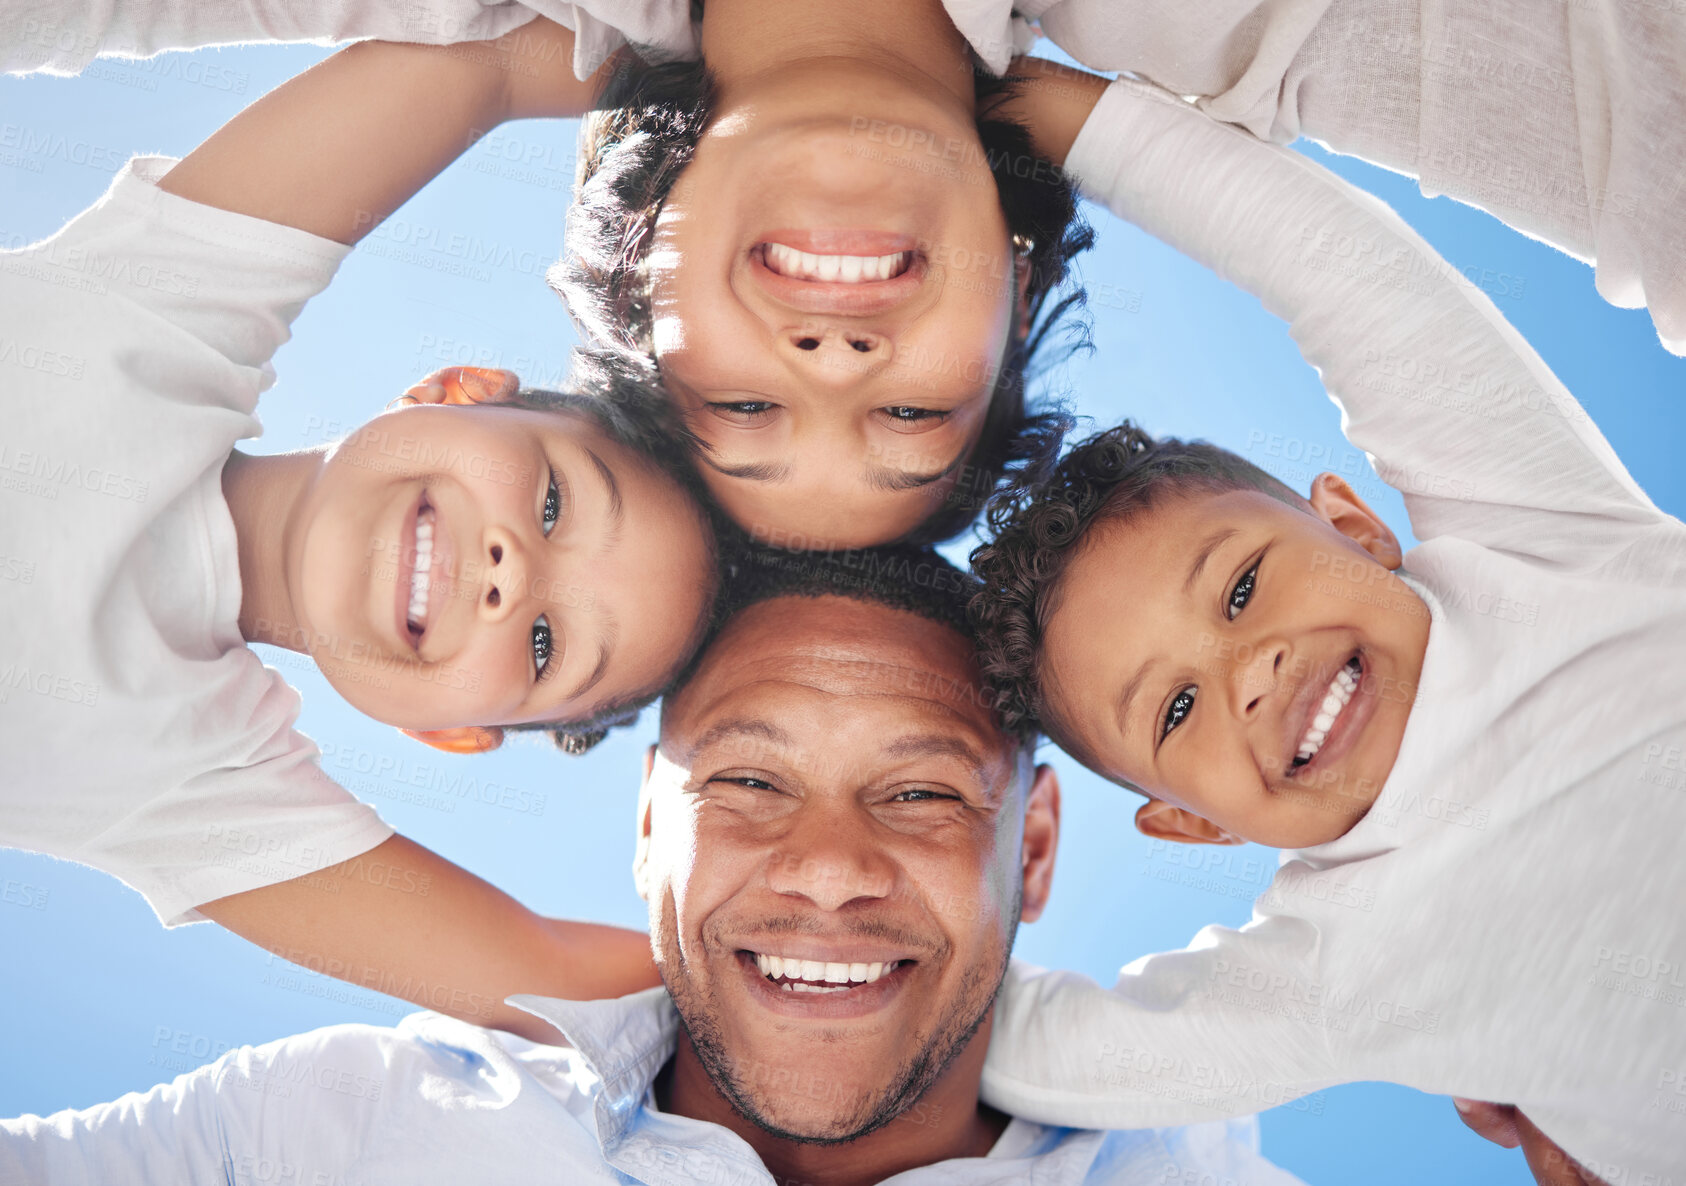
[1508, 921]
[1568, 122]
[62, 38]
[140, 734]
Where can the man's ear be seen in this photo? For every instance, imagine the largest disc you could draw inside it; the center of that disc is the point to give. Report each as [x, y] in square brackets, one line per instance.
[1158, 820]
[466, 739]
[1335, 502]
[1041, 839]
[462, 385]
[641, 853]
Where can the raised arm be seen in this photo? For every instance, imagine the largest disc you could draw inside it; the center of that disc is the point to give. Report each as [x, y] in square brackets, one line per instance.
[1456, 408]
[338, 148]
[63, 36]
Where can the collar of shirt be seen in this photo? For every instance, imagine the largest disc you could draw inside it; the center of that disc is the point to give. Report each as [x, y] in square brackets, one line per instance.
[624, 1043]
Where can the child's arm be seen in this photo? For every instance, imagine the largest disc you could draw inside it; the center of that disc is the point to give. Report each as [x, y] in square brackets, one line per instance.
[1457, 409]
[404, 921]
[63, 36]
[1233, 1024]
[332, 152]
[343, 145]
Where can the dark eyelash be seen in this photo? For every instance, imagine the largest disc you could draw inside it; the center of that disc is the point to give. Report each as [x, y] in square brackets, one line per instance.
[918, 414]
[748, 407]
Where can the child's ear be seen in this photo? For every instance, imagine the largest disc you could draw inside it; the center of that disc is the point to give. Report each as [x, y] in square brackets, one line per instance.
[462, 385]
[468, 739]
[1158, 820]
[1338, 505]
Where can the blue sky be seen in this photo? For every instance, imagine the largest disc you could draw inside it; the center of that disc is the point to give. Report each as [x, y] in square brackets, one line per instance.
[99, 1000]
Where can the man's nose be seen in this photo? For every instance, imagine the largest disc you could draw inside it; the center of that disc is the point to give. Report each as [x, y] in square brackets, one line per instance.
[830, 861]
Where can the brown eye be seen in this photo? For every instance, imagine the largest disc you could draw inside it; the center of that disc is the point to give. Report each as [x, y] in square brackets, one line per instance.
[1177, 711]
[1243, 592]
[541, 646]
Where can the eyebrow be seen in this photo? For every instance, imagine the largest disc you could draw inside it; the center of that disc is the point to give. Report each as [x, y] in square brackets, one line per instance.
[738, 727]
[878, 477]
[934, 745]
[605, 651]
[1129, 694]
[617, 510]
[1213, 542]
[755, 471]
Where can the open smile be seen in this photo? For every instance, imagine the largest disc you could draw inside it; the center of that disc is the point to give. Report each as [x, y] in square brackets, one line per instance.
[1332, 718]
[834, 987]
[423, 577]
[841, 273]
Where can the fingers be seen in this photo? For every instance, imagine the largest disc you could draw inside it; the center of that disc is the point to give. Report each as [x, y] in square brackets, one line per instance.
[467, 739]
[1550, 1165]
[1496, 1122]
[461, 385]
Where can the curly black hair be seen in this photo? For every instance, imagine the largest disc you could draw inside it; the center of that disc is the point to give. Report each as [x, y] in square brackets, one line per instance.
[1037, 523]
[635, 147]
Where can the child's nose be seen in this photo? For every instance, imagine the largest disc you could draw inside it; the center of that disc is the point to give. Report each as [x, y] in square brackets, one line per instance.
[1255, 681]
[505, 586]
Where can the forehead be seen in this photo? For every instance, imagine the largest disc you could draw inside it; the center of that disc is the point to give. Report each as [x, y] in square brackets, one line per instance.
[797, 655]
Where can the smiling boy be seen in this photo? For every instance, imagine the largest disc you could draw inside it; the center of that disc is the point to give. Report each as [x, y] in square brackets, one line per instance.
[1463, 748]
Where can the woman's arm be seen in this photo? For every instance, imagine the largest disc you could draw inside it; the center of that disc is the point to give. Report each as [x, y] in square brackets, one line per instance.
[338, 148]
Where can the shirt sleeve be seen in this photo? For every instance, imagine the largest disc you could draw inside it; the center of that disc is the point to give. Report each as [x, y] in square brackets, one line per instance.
[1567, 122]
[1230, 1025]
[1455, 408]
[62, 38]
[169, 1134]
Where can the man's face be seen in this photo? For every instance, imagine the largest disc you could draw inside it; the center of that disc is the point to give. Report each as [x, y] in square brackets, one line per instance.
[1242, 662]
[831, 794]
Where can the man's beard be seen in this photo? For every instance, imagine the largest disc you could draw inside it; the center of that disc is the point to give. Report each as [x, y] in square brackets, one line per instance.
[954, 1030]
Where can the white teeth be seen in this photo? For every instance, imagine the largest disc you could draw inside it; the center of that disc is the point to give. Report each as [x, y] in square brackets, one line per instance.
[813, 975]
[417, 613]
[836, 269]
[1340, 693]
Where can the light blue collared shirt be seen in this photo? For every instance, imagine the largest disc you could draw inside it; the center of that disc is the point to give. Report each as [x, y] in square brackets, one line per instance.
[434, 1100]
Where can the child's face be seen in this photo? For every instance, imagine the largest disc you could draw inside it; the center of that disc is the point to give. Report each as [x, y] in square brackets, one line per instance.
[1195, 650]
[493, 565]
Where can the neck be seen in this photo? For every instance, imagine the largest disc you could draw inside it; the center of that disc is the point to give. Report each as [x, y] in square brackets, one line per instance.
[264, 495]
[913, 39]
[946, 1121]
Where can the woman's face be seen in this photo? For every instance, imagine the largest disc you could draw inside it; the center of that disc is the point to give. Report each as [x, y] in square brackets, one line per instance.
[833, 293]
